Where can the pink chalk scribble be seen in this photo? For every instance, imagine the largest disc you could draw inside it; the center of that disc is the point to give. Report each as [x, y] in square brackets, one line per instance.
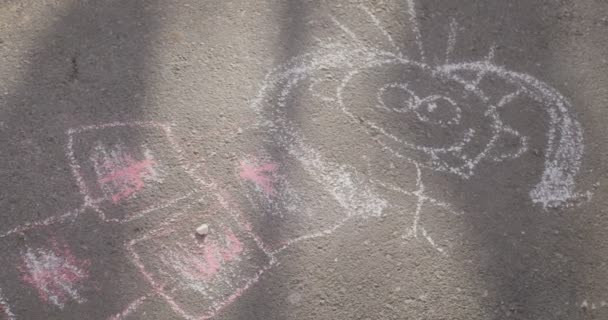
[206, 262]
[121, 176]
[263, 176]
[56, 274]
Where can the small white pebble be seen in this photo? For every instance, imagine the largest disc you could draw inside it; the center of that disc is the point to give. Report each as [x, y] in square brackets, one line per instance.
[203, 229]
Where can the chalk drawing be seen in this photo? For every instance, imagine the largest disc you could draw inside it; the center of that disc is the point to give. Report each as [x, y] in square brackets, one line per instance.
[449, 97]
[43, 223]
[586, 305]
[198, 277]
[269, 191]
[119, 175]
[112, 173]
[5, 308]
[285, 206]
[55, 273]
[451, 40]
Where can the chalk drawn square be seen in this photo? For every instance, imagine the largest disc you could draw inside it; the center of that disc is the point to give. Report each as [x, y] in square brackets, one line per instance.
[125, 170]
[50, 274]
[198, 276]
[284, 204]
[61, 270]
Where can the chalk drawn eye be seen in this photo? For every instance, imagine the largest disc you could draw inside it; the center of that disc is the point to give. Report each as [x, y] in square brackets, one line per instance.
[438, 110]
[433, 109]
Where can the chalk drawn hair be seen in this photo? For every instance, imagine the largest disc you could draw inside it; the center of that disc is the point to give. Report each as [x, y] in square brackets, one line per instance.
[448, 96]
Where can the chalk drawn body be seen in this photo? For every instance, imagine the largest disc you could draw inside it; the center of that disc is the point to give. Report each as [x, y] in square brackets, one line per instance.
[129, 310]
[564, 138]
[120, 175]
[119, 178]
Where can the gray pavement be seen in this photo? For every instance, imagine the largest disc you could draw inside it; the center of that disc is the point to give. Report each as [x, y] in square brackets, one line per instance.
[352, 159]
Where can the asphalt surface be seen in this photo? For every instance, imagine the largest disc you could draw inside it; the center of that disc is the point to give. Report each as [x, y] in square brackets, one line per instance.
[351, 159]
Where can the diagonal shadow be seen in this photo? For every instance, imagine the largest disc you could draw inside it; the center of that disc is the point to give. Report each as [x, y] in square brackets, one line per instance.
[87, 66]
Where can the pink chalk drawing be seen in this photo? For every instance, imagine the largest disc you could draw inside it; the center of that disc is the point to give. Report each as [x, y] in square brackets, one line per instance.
[121, 176]
[205, 263]
[466, 102]
[5, 309]
[264, 175]
[55, 273]
[115, 173]
[196, 276]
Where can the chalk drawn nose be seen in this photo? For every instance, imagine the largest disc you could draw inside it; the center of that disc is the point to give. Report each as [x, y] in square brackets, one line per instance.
[438, 110]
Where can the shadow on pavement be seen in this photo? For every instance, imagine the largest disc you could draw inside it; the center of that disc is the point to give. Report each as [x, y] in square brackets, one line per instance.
[87, 66]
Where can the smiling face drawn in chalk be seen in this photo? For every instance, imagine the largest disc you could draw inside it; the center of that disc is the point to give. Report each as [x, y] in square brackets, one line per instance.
[428, 117]
[445, 118]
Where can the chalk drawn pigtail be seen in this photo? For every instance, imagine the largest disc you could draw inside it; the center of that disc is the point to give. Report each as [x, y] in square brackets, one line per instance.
[562, 157]
[564, 148]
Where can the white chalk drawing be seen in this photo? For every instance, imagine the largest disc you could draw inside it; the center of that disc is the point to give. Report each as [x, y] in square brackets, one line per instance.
[198, 277]
[448, 99]
[5, 309]
[593, 305]
[119, 175]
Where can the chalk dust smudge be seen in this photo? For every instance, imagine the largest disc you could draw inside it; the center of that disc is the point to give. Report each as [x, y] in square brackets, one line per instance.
[55, 273]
